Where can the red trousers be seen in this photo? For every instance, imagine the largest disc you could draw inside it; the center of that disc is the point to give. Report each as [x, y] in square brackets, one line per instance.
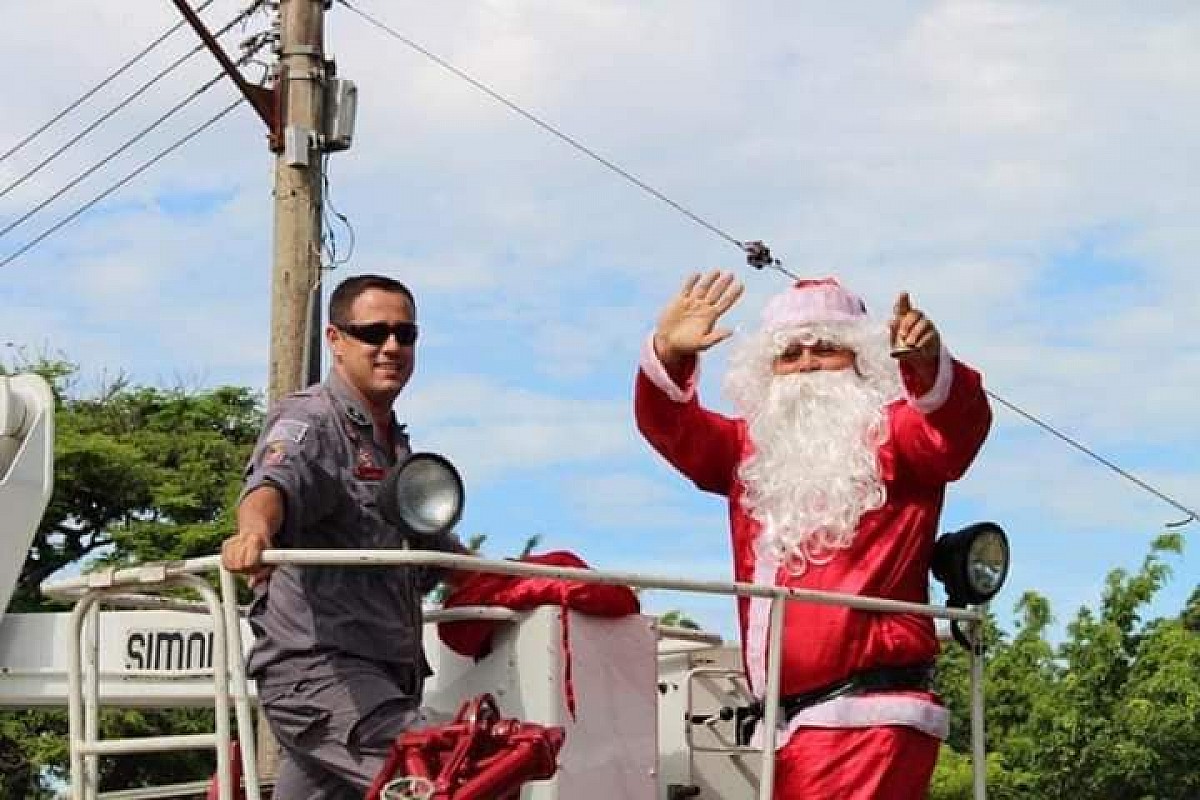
[885, 763]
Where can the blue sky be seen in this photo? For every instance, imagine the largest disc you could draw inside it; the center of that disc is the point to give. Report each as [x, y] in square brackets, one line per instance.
[1026, 169]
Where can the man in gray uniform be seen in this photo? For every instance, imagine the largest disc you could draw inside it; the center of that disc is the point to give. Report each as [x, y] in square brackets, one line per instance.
[338, 657]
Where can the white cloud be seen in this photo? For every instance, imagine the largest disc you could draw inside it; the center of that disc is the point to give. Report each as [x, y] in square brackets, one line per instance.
[1024, 168]
[492, 430]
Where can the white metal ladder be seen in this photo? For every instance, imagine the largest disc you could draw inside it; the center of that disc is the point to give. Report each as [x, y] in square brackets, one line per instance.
[83, 683]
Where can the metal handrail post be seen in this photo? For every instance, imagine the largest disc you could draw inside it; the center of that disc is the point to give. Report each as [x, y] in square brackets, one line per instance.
[75, 723]
[91, 698]
[241, 691]
[225, 789]
[770, 721]
[978, 720]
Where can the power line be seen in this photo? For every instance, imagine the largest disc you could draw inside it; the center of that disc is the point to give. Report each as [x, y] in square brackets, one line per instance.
[124, 103]
[746, 247]
[1124, 473]
[86, 206]
[108, 115]
[89, 93]
[90, 170]
[752, 249]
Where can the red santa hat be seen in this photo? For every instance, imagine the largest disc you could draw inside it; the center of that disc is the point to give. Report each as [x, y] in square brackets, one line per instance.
[814, 301]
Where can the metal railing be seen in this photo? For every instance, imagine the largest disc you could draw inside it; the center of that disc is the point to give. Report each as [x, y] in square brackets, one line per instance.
[87, 590]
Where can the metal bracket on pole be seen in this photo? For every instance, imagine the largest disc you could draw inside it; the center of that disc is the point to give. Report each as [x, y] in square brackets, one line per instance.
[264, 101]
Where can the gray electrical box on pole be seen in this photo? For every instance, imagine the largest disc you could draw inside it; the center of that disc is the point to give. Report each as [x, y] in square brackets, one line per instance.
[341, 108]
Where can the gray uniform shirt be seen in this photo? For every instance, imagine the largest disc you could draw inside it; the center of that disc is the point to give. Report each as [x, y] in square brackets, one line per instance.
[319, 449]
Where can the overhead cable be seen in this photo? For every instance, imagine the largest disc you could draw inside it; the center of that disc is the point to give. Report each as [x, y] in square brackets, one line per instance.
[111, 112]
[162, 154]
[755, 250]
[757, 253]
[92, 169]
[90, 92]
[1124, 473]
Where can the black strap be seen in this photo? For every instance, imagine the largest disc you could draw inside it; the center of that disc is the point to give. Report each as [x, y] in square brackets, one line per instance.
[883, 679]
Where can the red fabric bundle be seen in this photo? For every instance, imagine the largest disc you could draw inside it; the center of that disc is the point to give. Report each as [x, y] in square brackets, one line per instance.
[474, 638]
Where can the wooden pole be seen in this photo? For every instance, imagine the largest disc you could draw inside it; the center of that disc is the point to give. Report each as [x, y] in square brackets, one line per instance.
[297, 258]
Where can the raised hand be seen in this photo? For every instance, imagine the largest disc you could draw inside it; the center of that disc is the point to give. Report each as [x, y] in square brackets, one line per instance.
[914, 336]
[687, 324]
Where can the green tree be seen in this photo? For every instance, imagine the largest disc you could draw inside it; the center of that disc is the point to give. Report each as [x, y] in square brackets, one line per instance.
[678, 618]
[1111, 713]
[28, 741]
[1190, 618]
[141, 474]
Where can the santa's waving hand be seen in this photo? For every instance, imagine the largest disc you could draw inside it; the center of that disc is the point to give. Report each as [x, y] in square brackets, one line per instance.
[687, 325]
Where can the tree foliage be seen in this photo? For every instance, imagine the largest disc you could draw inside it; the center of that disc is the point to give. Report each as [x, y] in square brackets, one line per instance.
[1110, 713]
[678, 618]
[141, 474]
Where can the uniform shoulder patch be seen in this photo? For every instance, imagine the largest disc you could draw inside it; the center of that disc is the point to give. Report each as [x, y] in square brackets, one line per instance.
[287, 430]
[274, 454]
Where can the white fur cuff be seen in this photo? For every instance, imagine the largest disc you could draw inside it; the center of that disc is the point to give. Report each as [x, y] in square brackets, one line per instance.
[657, 373]
[935, 398]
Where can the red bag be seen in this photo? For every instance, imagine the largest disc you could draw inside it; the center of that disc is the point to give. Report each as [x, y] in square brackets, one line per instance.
[474, 638]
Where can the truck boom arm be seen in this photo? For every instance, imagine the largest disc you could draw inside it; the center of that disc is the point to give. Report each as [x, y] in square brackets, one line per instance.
[26, 470]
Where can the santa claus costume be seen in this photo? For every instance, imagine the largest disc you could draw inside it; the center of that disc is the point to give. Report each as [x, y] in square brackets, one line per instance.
[835, 481]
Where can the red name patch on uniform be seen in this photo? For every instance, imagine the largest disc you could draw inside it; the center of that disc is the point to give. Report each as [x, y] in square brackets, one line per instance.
[365, 468]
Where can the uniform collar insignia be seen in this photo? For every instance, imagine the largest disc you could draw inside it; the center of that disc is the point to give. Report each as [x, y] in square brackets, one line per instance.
[346, 398]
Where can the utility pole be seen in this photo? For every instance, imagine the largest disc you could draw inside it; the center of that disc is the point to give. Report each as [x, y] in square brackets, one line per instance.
[296, 269]
[293, 111]
[295, 351]
[299, 132]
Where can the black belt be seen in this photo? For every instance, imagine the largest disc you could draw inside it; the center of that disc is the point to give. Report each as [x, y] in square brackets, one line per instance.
[883, 679]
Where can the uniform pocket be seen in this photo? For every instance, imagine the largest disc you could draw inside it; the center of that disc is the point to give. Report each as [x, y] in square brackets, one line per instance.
[296, 717]
[380, 727]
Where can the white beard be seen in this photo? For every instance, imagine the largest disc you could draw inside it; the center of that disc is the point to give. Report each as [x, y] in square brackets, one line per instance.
[815, 469]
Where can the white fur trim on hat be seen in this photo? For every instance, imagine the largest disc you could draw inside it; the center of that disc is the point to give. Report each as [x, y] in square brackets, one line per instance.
[813, 301]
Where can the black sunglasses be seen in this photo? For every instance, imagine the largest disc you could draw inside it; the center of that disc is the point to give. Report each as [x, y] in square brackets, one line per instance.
[376, 333]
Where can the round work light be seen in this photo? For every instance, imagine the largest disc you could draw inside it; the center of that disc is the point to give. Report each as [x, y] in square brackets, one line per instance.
[423, 496]
[972, 563]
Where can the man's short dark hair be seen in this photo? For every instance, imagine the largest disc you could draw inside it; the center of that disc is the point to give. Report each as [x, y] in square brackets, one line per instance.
[348, 291]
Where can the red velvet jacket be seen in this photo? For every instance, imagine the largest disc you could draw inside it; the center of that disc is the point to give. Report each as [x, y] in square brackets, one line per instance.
[932, 441]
